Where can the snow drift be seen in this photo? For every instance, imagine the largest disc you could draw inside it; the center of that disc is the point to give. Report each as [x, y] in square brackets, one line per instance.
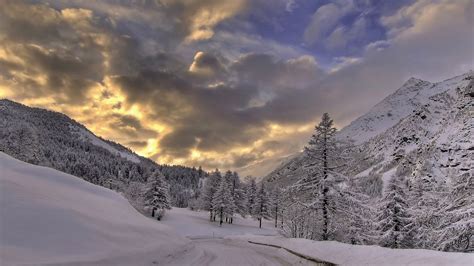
[51, 217]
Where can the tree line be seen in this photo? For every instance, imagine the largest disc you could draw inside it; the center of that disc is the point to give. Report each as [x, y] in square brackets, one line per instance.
[329, 203]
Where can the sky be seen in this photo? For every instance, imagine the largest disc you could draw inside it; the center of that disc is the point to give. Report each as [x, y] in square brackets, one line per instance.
[224, 84]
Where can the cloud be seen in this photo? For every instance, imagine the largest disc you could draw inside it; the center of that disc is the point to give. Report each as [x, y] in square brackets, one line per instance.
[200, 17]
[208, 67]
[184, 84]
[323, 21]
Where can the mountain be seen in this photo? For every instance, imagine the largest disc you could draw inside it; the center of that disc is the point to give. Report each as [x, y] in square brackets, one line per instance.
[49, 217]
[54, 140]
[425, 128]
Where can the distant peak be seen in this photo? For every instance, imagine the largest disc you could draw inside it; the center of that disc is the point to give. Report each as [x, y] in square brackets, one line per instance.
[413, 80]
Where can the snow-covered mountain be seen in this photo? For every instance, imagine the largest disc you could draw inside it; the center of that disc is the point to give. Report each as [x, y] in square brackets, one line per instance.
[31, 124]
[425, 128]
[54, 140]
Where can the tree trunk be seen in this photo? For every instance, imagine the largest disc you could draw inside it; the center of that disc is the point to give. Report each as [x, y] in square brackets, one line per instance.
[276, 216]
[281, 220]
[153, 212]
[222, 213]
[260, 221]
[325, 191]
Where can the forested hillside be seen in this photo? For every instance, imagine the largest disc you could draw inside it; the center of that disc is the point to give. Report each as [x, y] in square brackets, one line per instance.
[400, 176]
[53, 139]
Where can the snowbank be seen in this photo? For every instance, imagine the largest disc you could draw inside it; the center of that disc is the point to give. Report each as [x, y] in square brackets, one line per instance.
[345, 254]
[47, 216]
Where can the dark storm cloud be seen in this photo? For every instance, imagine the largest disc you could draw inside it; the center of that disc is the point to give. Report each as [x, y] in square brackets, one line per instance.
[213, 91]
[55, 49]
[215, 118]
[132, 126]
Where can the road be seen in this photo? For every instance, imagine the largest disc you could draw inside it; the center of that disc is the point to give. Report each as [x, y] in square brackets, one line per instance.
[231, 252]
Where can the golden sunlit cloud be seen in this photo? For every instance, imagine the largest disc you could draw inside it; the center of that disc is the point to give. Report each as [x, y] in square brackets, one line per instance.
[206, 18]
[193, 82]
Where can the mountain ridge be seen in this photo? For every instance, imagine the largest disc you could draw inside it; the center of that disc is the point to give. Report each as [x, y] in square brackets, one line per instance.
[52, 139]
[414, 99]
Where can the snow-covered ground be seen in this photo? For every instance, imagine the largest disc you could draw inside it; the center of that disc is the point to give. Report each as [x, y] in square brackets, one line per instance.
[51, 218]
[196, 225]
[345, 254]
[47, 216]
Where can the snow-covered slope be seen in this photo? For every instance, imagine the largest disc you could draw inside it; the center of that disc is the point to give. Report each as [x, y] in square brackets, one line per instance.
[51, 217]
[345, 254]
[17, 115]
[389, 111]
[422, 125]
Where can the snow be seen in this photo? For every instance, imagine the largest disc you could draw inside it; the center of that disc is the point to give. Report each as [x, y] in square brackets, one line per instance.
[215, 245]
[51, 217]
[88, 136]
[386, 114]
[196, 225]
[346, 254]
[386, 178]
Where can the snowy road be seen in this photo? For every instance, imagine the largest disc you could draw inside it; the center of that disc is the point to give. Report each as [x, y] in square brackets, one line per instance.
[209, 245]
[231, 252]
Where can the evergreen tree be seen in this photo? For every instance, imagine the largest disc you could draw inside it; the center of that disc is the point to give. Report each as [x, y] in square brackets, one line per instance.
[457, 224]
[251, 193]
[425, 208]
[223, 202]
[261, 207]
[239, 196]
[275, 203]
[394, 220]
[209, 189]
[321, 189]
[156, 193]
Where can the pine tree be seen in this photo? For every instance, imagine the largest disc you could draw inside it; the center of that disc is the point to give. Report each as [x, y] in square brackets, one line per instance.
[251, 193]
[156, 193]
[261, 207]
[223, 202]
[425, 208]
[394, 220]
[209, 189]
[238, 194]
[457, 224]
[275, 202]
[321, 189]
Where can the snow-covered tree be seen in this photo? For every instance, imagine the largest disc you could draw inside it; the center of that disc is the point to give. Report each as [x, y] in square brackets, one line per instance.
[424, 202]
[394, 221]
[156, 193]
[207, 195]
[223, 202]
[276, 204]
[261, 206]
[239, 195]
[251, 192]
[457, 225]
[322, 188]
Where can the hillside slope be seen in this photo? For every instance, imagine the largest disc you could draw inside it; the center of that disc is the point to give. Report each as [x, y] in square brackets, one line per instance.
[51, 217]
[424, 127]
[54, 140]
